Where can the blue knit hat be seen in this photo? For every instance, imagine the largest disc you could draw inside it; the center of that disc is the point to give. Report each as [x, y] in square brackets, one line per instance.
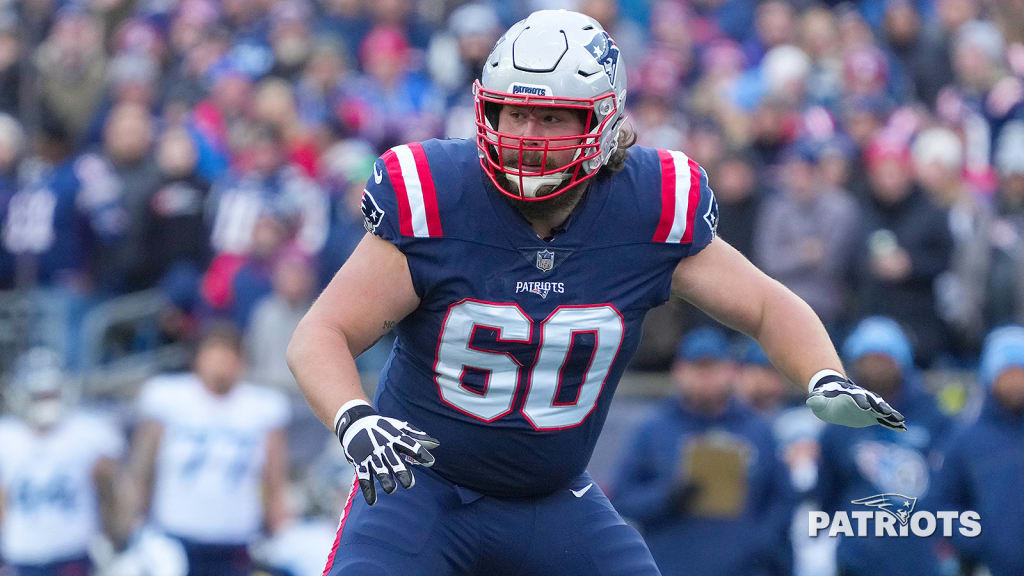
[750, 353]
[1004, 348]
[880, 335]
[704, 343]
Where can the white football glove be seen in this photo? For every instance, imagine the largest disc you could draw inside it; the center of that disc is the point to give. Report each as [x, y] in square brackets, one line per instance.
[837, 400]
[378, 445]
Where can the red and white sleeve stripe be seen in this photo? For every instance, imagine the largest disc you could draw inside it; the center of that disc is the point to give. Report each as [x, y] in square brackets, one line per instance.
[410, 176]
[680, 194]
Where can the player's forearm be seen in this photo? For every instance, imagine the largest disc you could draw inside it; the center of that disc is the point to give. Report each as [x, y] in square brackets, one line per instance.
[275, 481]
[793, 337]
[145, 445]
[115, 519]
[324, 366]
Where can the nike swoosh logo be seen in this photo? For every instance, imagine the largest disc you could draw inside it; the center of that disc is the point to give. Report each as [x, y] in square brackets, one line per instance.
[377, 174]
[579, 493]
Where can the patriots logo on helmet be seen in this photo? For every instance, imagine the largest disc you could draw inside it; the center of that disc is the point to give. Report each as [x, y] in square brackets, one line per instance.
[604, 50]
[898, 506]
[372, 213]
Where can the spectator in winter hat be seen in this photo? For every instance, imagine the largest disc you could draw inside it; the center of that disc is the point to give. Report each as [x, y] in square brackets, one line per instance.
[938, 159]
[699, 487]
[855, 465]
[981, 467]
[758, 383]
[904, 246]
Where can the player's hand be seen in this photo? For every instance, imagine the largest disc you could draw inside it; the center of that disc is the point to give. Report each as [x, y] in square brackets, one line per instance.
[838, 400]
[380, 446]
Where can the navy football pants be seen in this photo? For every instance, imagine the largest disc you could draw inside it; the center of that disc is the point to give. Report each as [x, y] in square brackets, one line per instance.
[437, 528]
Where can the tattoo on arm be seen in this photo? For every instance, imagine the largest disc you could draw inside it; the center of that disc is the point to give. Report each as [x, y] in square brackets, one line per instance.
[388, 325]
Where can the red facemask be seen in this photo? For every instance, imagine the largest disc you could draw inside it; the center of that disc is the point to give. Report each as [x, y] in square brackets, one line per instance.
[495, 145]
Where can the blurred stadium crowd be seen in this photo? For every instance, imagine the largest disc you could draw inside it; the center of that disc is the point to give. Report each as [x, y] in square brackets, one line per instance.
[168, 165]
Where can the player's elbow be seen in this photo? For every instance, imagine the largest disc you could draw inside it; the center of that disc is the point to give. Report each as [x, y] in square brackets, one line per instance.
[299, 346]
[312, 339]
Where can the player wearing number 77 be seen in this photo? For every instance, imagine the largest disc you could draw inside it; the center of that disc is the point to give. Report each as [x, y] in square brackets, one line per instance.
[516, 269]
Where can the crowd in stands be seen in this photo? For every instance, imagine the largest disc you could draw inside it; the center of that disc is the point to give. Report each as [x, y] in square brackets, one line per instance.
[869, 155]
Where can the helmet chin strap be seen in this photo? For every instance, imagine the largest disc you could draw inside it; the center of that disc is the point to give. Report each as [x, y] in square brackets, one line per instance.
[531, 184]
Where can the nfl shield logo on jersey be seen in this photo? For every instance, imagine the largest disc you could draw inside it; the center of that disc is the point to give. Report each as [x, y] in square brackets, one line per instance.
[545, 260]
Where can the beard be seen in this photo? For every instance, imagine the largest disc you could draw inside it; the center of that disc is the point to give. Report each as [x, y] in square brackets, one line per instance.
[538, 209]
[534, 210]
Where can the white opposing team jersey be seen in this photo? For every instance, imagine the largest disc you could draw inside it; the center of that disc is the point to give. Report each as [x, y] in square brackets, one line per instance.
[52, 512]
[209, 468]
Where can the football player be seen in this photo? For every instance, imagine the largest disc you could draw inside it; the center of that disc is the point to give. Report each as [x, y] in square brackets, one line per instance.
[516, 270]
[210, 457]
[58, 470]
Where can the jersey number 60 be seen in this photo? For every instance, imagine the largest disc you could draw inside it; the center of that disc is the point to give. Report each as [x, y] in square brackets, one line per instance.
[456, 354]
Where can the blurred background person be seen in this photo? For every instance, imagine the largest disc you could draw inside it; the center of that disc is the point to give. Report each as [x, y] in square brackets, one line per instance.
[1005, 295]
[903, 245]
[266, 180]
[64, 227]
[60, 484]
[128, 139]
[210, 459]
[275, 317]
[740, 194]
[12, 147]
[982, 464]
[172, 229]
[72, 69]
[805, 235]
[758, 384]
[860, 463]
[938, 161]
[702, 475]
[345, 169]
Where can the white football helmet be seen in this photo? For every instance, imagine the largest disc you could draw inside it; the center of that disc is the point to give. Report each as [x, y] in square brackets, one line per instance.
[40, 389]
[556, 59]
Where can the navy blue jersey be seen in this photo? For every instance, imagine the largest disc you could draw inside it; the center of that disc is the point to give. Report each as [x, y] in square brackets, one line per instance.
[66, 215]
[516, 348]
